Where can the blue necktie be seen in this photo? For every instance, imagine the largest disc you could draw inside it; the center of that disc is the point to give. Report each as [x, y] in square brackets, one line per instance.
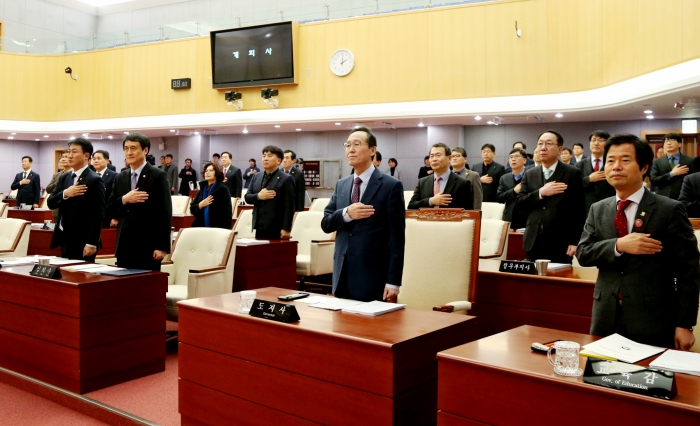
[134, 179]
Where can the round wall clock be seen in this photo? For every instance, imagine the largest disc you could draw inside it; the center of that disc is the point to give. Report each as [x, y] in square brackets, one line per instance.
[342, 62]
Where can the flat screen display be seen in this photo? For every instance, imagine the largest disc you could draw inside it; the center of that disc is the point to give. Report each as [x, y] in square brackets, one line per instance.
[253, 56]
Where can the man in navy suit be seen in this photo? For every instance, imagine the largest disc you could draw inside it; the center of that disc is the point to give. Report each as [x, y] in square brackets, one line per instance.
[100, 161]
[367, 213]
[233, 179]
[79, 197]
[27, 184]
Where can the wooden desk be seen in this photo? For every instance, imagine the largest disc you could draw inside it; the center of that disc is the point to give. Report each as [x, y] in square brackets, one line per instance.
[82, 332]
[329, 368]
[40, 241]
[33, 216]
[500, 381]
[260, 265]
[12, 202]
[563, 299]
[515, 246]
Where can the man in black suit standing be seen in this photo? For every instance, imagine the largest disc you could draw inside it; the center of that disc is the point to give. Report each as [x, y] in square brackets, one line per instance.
[551, 196]
[668, 171]
[171, 173]
[27, 184]
[490, 173]
[100, 159]
[646, 254]
[461, 168]
[595, 186]
[529, 162]
[79, 197]
[187, 174]
[690, 195]
[578, 154]
[232, 175]
[443, 188]
[272, 194]
[298, 175]
[250, 172]
[509, 187]
[142, 204]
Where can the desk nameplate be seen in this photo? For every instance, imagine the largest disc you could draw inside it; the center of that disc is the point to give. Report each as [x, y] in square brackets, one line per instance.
[274, 311]
[516, 267]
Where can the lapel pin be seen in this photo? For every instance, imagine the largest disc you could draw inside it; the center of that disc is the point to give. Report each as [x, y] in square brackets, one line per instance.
[642, 214]
[144, 176]
[638, 223]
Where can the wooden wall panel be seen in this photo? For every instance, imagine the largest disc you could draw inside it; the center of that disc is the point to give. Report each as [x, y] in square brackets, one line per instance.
[690, 30]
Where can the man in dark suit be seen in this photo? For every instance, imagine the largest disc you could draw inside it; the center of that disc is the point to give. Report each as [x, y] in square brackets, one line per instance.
[490, 173]
[27, 184]
[690, 195]
[578, 154]
[99, 161]
[442, 188]
[529, 162]
[250, 172]
[298, 175]
[367, 213]
[171, 173]
[272, 195]
[187, 174]
[668, 171]
[233, 180]
[646, 254]
[551, 196]
[509, 187]
[79, 197]
[595, 186]
[142, 204]
[461, 168]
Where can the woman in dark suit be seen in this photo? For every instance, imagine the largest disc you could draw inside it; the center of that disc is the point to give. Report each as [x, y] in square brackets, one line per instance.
[211, 207]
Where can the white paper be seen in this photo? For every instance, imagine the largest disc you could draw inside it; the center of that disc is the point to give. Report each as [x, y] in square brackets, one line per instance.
[249, 241]
[679, 361]
[622, 348]
[557, 266]
[373, 308]
[334, 304]
[15, 262]
[83, 268]
[61, 261]
[103, 268]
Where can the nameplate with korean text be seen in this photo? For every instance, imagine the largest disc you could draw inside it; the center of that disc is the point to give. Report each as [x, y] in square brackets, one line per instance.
[515, 267]
[630, 378]
[274, 311]
[45, 271]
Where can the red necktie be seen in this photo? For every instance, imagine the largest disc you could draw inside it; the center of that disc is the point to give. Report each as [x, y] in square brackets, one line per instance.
[621, 218]
[597, 165]
[436, 188]
[356, 190]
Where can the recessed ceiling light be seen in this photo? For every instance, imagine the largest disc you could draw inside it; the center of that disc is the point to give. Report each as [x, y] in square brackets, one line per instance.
[126, 133]
[421, 125]
[36, 140]
[245, 130]
[46, 136]
[172, 130]
[559, 115]
[338, 124]
[650, 117]
[110, 137]
[85, 135]
[648, 111]
[477, 118]
[10, 137]
[298, 130]
[13, 133]
[277, 126]
[196, 132]
[72, 137]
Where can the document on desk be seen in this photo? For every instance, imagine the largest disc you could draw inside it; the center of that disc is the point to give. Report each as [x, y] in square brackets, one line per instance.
[15, 262]
[59, 261]
[622, 349]
[678, 361]
[250, 241]
[374, 308]
[330, 303]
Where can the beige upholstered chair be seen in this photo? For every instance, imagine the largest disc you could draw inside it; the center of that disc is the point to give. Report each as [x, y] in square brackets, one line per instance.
[44, 203]
[243, 191]
[319, 204]
[492, 210]
[14, 237]
[234, 207]
[407, 195]
[696, 333]
[201, 265]
[13, 193]
[494, 239]
[244, 224]
[181, 204]
[315, 249]
[3, 210]
[441, 259]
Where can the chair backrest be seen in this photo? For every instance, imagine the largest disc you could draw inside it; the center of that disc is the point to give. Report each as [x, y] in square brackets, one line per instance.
[13, 193]
[441, 257]
[407, 195]
[306, 228]
[200, 248]
[234, 207]
[14, 237]
[244, 224]
[494, 239]
[492, 210]
[181, 204]
[243, 192]
[3, 210]
[319, 204]
[44, 203]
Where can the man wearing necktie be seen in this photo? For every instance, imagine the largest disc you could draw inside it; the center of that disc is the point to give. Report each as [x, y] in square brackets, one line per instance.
[461, 168]
[668, 171]
[28, 184]
[100, 160]
[646, 254]
[79, 197]
[233, 179]
[298, 176]
[551, 197]
[595, 186]
[142, 205]
[442, 188]
[510, 185]
[367, 214]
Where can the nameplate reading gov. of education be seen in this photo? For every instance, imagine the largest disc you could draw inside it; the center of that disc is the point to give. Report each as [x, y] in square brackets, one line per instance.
[515, 267]
[274, 311]
[45, 271]
[630, 378]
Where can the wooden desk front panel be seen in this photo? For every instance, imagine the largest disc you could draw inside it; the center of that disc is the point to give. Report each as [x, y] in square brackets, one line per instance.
[40, 241]
[180, 222]
[476, 380]
[12, 202]
[259, 265]
[33, 216]
[515, 246]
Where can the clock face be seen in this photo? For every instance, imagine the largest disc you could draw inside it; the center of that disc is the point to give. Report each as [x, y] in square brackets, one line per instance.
[342, 62]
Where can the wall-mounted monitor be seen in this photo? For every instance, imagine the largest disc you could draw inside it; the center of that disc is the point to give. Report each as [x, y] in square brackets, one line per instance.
[254, 56]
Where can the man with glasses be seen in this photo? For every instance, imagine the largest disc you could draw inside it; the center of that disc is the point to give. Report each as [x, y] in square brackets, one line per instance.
[595, 186]
[367, 214]
[442, 188]
[509, 187]
[667, 172]
[490, 173]
[461, 168]
[551, 197]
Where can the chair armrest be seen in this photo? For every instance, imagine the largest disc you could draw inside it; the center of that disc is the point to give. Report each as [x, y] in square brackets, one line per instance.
[321, 257]
[104, 256]
[322, 241]
[491, 256]
[7, 251]
[166, 262]
[454, 306]
[210, 283]
[207, 270]
[169, 268]
[106, 259]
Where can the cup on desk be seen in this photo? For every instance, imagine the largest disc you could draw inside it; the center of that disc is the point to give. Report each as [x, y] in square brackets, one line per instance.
[246, 301]
[44, 262]
[566, 360]
[541, 265]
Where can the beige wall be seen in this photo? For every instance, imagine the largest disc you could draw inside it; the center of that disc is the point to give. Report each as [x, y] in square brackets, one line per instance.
[444, 53]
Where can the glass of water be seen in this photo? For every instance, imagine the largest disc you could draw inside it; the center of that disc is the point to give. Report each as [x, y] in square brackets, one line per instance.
[566, 359]
[246, 301]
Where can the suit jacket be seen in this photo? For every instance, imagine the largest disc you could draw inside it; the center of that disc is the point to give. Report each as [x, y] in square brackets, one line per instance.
[690, 195]
[559, 217]
[108, 177]
[507, 196]
[275, 214]
[171, 173]
[495, 171]
[234, 181]
[81, 217]
[29, 193]
[593, 191]
[220, 210]
[186, 179]
[458, 187]
[143, 227]
[573, 160]
[660, 176]
[371, 250]
[475, 180]
[659, 291]
[111, 167]
[247, 178]
[299, 188]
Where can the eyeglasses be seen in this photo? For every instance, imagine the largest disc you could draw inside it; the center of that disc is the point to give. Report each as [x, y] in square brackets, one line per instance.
[348, 145]
[515, 157]
[548, 144]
